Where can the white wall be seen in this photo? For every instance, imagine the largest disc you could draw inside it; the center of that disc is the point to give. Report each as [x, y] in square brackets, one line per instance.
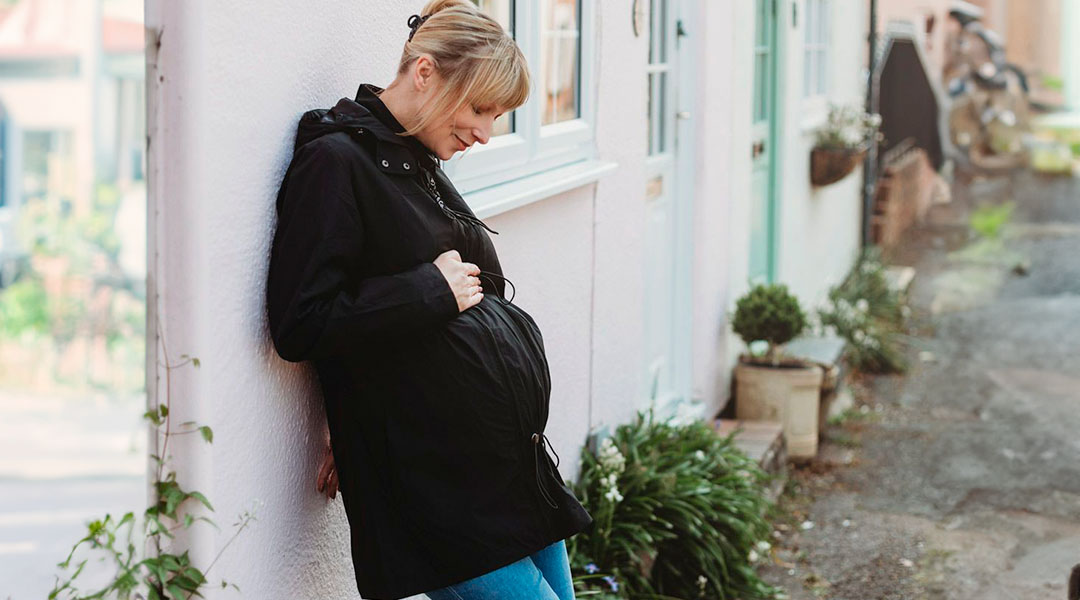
[819, 228]
[716, 182]
[226, 89]
[228, 86]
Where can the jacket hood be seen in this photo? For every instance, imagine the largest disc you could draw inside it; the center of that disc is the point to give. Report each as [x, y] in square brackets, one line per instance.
[369, 117]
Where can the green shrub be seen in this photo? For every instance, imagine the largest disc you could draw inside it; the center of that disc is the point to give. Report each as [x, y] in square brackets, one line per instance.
[768, 313]
[867, 312]
[679, 496]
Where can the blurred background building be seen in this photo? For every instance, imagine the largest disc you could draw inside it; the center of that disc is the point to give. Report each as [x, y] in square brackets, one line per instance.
[72, 276]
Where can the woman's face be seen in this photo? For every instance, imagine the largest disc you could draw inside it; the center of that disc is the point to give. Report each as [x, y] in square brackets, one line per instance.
[471, 124]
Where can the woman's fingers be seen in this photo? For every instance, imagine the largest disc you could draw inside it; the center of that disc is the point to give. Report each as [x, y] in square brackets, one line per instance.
[325, 471]
[332, 484]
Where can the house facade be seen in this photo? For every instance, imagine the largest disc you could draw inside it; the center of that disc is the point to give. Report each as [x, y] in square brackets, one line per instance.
[660, 167]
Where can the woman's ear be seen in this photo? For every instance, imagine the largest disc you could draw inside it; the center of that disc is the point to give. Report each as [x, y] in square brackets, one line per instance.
[423, 73]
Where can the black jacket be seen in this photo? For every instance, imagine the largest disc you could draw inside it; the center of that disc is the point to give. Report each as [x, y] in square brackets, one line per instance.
[436, 415]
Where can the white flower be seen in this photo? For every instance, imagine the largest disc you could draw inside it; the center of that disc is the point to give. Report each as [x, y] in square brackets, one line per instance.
[859, 335]
[753, 556]
[610, 458]
[701, 581]
[862, 305]
[700, 455]
[763, 546]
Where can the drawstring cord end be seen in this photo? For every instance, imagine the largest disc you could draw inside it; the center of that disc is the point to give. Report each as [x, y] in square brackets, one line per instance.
[541, 439]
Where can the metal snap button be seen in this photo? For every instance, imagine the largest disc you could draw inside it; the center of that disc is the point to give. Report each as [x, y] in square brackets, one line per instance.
[406, 165]
[385, 163]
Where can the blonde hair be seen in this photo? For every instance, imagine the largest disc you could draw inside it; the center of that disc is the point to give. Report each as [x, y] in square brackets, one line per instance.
[477, 59]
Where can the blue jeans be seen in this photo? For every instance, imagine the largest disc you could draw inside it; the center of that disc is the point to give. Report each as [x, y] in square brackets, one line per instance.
[543, 575]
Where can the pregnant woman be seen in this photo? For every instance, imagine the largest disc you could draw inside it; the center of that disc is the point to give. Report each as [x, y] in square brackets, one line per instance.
[436, 393]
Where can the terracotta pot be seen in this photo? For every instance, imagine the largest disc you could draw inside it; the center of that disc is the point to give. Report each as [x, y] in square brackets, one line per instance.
[829, 165]
[787, 394]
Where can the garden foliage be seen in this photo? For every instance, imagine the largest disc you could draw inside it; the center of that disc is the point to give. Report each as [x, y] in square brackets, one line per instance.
[679, 513]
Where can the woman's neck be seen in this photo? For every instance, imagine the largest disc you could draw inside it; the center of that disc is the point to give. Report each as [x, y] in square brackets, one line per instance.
[397, 104]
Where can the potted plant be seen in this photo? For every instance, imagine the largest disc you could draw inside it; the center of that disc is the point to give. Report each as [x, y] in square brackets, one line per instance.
[841, 144]
[772, 387]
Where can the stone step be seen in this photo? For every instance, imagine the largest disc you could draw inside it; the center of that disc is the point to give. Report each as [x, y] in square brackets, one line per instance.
[763, 442]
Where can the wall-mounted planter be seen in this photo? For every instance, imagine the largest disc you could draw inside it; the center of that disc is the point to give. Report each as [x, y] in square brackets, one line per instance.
[829, 165]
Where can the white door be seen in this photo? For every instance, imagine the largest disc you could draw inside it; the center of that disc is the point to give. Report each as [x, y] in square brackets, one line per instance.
[667, 195]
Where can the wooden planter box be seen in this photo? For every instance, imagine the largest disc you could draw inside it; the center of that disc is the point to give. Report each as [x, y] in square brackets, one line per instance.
[829, 165]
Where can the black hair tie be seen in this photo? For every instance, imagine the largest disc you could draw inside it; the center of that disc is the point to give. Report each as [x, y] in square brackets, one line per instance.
[415, 22]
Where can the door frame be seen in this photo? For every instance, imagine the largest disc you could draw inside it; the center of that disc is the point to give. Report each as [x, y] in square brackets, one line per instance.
[682, 139]
[776, 93]
[686, 139]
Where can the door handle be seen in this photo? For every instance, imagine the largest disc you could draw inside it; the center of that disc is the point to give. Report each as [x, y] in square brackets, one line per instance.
[758, 149]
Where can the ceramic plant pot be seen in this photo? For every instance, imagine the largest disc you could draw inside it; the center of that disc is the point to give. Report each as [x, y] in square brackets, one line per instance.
[788, 394]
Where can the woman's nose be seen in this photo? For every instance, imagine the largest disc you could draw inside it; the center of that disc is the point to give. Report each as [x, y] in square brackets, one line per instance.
[482, 133]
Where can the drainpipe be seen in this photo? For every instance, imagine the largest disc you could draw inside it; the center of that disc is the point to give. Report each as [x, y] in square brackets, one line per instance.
[870, 164]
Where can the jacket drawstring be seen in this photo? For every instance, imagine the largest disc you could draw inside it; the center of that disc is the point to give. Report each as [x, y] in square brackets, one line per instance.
[453, 213]
[538, 438]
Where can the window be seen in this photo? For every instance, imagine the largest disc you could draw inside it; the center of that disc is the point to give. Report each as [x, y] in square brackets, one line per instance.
[816, 49]
[658, 73]
[503, 12]
[554, 128]
[48, 158]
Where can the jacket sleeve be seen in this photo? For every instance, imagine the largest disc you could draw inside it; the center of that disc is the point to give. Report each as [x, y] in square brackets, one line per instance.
[318, 306]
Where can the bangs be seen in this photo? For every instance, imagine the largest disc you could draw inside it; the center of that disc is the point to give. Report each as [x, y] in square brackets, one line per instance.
[501, 78]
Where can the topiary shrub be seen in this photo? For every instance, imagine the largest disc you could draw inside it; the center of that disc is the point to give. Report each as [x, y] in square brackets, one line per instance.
[769, 313]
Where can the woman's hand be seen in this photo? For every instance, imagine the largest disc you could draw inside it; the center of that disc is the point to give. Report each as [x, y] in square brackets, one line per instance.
[462, 277]
[327, 480]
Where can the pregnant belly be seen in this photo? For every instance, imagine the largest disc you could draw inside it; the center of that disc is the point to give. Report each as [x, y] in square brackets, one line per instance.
[474, 391]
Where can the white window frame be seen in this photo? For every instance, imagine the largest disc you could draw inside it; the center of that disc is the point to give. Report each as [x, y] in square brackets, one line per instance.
[816, 50]
[531, 148]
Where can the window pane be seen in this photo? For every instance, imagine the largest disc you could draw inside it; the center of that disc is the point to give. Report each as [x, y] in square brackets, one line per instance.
[560, 58]
[657, 112]
[822, 72]
[500, 10]
[503, 12]
[650, 130]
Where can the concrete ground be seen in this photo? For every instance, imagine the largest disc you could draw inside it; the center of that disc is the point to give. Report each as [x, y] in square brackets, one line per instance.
[960, 479]
[64, 461]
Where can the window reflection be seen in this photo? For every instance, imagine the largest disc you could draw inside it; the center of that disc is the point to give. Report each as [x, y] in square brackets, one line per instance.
[503, 12]
[560, 60]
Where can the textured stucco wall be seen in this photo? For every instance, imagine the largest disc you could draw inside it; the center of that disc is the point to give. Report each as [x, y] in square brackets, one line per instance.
[227, 86]
[819, 228]
[618, 310]
[716, 99]
[230, 81]
[235, 76]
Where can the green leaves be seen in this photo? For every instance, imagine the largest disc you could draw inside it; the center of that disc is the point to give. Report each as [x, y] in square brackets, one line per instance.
[769, 313]
[693, 508]
[867, 312]
[164, 576]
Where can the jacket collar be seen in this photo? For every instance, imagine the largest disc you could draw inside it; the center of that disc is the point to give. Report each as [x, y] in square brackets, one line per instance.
[386, 127]
[368, 119]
